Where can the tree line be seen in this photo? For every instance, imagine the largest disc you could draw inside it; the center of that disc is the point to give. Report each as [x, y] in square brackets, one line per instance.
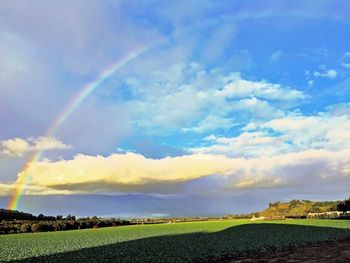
[344, 206]
[14, 222]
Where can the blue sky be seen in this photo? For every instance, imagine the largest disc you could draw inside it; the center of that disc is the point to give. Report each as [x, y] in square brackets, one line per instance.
[230, 102]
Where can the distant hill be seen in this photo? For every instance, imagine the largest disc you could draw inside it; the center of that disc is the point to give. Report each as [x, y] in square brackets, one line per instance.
[298, 208]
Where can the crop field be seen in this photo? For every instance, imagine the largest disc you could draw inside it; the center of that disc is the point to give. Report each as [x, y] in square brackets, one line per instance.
[180, 242]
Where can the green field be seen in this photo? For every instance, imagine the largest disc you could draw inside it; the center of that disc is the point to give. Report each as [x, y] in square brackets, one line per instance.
[181, 242]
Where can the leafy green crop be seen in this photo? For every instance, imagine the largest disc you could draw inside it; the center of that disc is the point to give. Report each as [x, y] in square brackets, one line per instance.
[181, 242]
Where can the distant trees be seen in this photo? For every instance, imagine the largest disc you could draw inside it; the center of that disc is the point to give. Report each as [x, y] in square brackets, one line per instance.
[344, 206]
[19, 226]
[274, 204]
[12, 222]
[6, 214]
[295, 203]
[70, 217]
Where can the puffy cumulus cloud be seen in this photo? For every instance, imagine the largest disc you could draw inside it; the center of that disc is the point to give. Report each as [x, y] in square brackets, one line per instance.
[309, 169]
[237, 87]
[19, 146]
[47, 143]
[314, 132]
[291, 133]
[257, 108]
[209, 98]
[128, 169]
[331, 74]
[16, 146]
[132, 172]
[248, 144]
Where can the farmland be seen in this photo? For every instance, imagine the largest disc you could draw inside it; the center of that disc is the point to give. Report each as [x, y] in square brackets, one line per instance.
[181, 242]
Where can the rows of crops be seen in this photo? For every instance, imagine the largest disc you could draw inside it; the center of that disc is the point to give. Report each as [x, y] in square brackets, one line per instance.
[200, 241]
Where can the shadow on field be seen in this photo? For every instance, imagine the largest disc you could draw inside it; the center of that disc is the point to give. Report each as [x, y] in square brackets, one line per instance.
[202, 246]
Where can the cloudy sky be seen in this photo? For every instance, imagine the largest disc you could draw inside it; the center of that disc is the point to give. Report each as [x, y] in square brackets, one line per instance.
[197, 107]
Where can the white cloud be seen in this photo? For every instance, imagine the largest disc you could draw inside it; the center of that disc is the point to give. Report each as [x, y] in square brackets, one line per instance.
[331, 74]
[19, 146]
[211, 123]
[7, 189]
[16, 146]
[123, 172]
[314, 132]
[287, 133]
[276, 55]
[241, 88]
[345, 55]
[186, 95]
[247, 144]
[260, 109]
[345, 65]
[259, 183]
[47, 143]
[344, 60]
[132, 172]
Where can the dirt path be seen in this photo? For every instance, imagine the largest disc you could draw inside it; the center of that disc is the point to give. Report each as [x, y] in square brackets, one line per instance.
[325, 253]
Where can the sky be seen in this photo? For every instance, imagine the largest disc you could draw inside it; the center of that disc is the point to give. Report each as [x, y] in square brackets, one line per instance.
[195, 107]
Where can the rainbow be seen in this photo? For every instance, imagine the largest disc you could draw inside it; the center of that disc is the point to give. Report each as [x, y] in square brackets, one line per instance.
[74, 103]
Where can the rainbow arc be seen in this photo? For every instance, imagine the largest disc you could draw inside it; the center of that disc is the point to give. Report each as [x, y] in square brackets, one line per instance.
[68, 110]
